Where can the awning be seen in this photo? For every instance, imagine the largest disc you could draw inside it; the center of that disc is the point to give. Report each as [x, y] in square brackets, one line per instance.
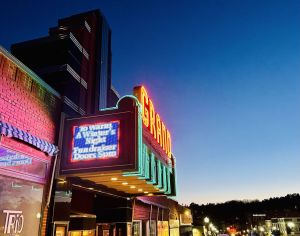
[151, 203]
[14, 132]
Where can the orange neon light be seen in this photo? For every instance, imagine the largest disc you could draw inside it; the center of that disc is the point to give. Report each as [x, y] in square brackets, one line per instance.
[152, 121]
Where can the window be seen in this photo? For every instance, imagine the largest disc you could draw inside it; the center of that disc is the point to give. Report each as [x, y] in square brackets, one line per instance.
[151, 228]
[137, 228]
[163, 228]
[60, 230]
[82, 233]
[20, 202]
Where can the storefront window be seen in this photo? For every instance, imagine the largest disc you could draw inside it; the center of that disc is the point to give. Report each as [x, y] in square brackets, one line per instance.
[75, 233]
[105, 232]
[88, 233]
[60, 230]
[137, 228]
[174, 232]
[162, 228]
[129, 229]
[151, 228]
[174, 227]
[82, 233]
[20, 207]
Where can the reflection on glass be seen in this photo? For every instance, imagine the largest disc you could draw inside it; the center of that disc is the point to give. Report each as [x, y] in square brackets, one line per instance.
[152, 228]
[19, 207]
[11, 160]
[136, 228]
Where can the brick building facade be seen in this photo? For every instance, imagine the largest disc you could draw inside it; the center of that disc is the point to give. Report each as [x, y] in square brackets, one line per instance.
[29, 114]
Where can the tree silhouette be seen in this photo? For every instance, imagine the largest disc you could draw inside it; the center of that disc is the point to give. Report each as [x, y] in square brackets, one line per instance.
[240, 213]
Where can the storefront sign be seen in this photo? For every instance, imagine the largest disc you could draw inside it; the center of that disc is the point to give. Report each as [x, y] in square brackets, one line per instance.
[152, 121]
[113, 141]
[15, 163]
[15, 160]
[14, 222]
[96, 141]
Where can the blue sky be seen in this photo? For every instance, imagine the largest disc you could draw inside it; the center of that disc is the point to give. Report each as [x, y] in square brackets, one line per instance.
[223, 74]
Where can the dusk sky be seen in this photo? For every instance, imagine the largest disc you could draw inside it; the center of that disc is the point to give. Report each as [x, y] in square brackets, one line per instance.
[223, 74]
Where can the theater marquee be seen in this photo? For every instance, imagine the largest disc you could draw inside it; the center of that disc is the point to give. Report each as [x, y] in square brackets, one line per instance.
[115, 149]
[95, 143]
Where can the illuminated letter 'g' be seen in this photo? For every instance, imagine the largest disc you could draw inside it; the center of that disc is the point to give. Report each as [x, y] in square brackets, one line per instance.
[145, 101]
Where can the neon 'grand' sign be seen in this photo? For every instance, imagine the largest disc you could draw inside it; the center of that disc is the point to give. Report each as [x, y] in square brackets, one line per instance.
[152, 121]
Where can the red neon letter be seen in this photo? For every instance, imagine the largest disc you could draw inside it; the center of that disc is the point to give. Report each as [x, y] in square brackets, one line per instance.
[152, 119]
[144, 100]
[158, 130]
[169, 144]
[164, 136]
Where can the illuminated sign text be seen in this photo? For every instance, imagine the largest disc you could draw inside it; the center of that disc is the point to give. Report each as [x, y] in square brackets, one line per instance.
[15, 160]
[152, 121]
[14, 222]
[96, 141]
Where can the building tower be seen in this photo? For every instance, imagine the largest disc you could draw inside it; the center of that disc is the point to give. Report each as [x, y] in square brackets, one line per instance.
[75, 59]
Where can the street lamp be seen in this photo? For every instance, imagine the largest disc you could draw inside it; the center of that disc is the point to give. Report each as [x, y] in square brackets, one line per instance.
[291, 224]
[290, 227]
[205, 226]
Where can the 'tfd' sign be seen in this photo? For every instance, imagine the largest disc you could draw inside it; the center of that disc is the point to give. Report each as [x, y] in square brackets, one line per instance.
[152, 121]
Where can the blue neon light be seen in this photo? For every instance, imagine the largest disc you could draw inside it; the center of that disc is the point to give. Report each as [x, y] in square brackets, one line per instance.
[96, 141]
